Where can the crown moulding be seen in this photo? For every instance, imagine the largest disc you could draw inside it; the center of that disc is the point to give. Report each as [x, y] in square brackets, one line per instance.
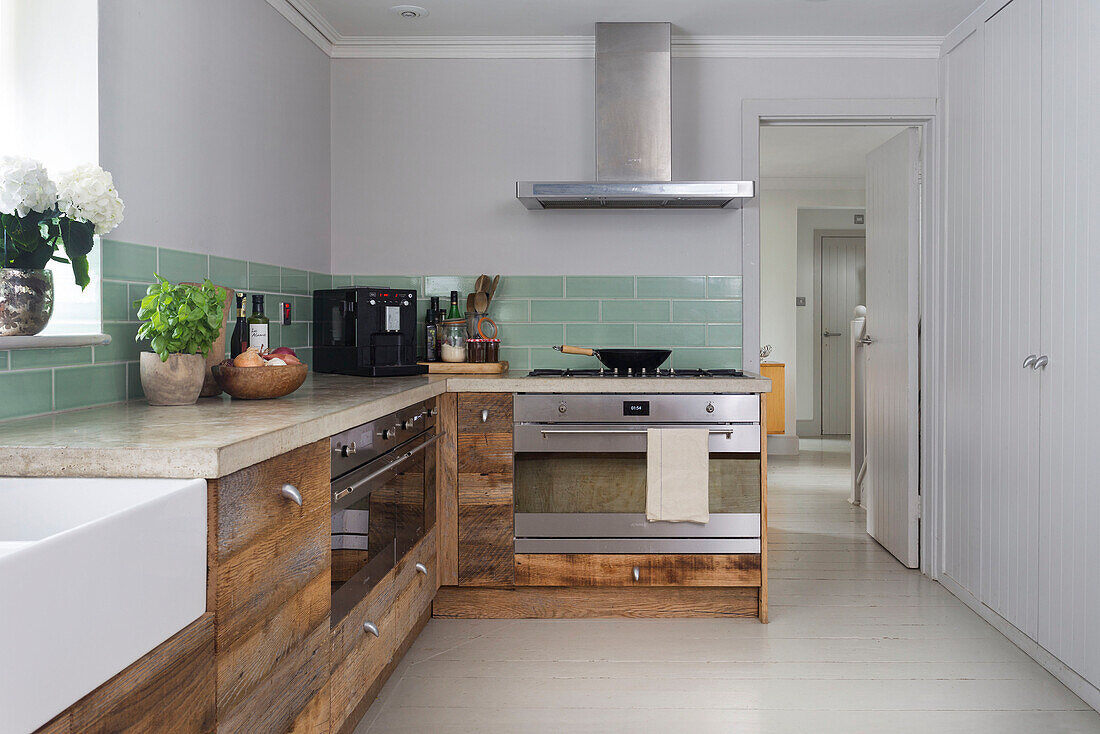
[316, 28]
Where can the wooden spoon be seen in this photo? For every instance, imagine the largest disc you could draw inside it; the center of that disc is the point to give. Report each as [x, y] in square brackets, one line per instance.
[469, 301]
[493, 287]
[481, 285]
[481, 302]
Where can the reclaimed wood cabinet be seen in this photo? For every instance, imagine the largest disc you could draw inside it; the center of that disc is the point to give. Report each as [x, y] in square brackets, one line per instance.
[486, 545]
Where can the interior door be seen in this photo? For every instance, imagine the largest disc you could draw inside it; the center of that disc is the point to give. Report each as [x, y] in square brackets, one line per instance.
[1069, 464]
[1010, 239]
[893, 238]
[843, 278]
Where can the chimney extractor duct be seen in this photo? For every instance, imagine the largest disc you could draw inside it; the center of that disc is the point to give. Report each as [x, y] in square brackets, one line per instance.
[633, 134]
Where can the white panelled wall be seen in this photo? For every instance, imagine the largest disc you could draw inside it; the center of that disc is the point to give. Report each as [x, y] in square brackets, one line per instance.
[1018, 270]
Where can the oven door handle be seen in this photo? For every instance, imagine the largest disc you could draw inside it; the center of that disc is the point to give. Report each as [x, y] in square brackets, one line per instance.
[620, 431]
[387, 468]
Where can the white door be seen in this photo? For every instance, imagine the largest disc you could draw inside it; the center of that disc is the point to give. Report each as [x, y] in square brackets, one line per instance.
[843, 274]
[893, 237]
[1069, 467]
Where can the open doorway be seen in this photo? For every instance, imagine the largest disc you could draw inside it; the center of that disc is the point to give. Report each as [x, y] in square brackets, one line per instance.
[840, 207]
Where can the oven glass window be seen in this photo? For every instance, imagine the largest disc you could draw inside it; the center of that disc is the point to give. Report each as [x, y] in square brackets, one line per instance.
[584, 482]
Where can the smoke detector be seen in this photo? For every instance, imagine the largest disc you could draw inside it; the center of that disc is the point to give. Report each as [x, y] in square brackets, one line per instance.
[410, 12]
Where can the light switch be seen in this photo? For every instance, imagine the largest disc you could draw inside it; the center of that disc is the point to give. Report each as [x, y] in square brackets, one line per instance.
[858, 219]
[800, 300]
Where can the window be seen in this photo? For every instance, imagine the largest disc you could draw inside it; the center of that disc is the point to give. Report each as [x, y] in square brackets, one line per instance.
[49, 82]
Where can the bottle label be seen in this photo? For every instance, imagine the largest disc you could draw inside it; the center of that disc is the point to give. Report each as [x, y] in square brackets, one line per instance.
[257, 336]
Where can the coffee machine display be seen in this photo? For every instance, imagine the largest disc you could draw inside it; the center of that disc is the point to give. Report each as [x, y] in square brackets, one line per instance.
[365, 331]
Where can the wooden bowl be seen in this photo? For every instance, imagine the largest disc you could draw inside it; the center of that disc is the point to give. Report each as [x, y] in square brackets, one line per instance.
[260, 383]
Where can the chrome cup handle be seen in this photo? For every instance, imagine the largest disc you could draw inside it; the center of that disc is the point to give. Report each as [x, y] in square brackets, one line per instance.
[291, 493]
[1041, 362]
[1029, 361]
[421, 568]
[371, 628]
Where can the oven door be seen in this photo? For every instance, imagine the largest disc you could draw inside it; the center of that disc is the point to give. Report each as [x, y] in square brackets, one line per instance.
[379, 512]
[581, 488]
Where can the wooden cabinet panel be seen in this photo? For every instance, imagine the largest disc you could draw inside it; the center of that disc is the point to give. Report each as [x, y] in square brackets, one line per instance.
[486, 532]
[169, 689]
[415, 590]
[775, 371]
[314, 718]
[270, 578]
[564, 569]
[480, 412]
[485, 453]
[353, 677]
[447, 485]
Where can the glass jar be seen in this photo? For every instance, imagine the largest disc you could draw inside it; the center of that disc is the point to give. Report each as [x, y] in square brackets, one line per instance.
[453, 342]
[492, 350]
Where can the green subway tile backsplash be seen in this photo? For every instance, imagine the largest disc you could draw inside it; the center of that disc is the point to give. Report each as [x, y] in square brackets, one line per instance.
[79, 387]
[230, 273]
[698, 317]
[22, 359]
[600, 335]
[26, 393]
[126, 261]
[564, 310]
[598, 286]
[672, 286]
[635, 310]
[182, 267]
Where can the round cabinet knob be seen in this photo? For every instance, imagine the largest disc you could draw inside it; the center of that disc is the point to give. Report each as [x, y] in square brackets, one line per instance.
[370, 628]
[562, 407]
[710, 407]
[636, 573]
[421, 568]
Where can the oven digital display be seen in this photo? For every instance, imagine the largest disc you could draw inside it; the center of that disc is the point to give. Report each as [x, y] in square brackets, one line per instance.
[635, 407]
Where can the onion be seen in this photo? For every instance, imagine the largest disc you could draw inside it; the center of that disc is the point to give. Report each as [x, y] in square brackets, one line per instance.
[276, 362]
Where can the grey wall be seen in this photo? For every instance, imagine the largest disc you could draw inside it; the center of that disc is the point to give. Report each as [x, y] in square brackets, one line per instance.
[214, 120]
[425, 154]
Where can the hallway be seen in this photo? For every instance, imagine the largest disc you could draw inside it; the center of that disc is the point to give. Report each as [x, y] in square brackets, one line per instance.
[857, 643]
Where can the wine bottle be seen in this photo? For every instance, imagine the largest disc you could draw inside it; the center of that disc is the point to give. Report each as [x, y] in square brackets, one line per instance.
[239, 341]
[430, 331]
[453, 312]
[258, 325]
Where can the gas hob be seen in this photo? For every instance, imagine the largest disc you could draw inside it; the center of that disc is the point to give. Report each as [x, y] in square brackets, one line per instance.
[628, 373]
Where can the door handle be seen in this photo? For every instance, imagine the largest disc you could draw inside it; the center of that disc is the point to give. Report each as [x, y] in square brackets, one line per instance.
[866, 341]
[1029, 361]
[832, 333]
[485, 415]
[1041, 362]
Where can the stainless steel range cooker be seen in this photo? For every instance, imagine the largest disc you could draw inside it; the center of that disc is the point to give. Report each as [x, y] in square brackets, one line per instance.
[580, 472]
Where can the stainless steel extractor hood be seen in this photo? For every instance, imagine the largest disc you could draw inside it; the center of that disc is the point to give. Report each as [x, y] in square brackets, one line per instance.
[633, 134]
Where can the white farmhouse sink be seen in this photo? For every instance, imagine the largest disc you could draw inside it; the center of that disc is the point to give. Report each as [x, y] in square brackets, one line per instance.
[94, 573]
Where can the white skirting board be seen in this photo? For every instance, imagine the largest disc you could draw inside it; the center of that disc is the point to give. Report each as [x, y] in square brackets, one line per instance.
[781, 444]
[1089, 693]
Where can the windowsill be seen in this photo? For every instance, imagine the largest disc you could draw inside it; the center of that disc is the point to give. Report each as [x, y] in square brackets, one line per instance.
[47, 342]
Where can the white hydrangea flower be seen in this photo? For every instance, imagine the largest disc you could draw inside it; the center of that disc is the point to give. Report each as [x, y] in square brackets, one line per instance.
[87, 193]
[25, 186]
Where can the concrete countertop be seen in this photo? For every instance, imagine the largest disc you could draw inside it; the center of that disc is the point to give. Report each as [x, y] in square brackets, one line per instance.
[218, 436]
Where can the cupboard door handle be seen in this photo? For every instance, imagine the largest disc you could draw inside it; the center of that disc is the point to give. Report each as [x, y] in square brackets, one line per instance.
[1029, 361]
[1041, 362]
[421, 568]
[636, 573]
[370, 627]
[485, 415]
[291, 493]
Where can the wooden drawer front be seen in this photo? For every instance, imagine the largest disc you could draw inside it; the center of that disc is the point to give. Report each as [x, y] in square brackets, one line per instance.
[485, 453]
[472, 407]
[315, 717]
[270, 576]
[653, 570]
[368, 657]
[169, 689]
[486, 534]
[415, 590]
[348, 632]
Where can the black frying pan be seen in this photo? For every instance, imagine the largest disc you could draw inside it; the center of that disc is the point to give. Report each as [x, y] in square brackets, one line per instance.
[623, 359]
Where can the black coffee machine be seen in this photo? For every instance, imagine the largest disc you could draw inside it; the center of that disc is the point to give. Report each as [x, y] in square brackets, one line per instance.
[365, 331]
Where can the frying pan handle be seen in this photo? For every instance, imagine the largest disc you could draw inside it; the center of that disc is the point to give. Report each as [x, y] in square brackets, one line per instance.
[586, 351]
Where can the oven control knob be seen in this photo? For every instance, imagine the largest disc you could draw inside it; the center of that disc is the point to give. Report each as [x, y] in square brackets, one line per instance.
[348, 450]
[562, 407]
[372, 301]
[405, 303]
[710, 407]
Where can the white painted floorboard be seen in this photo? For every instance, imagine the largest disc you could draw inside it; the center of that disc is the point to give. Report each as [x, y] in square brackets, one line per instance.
[857, 643]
